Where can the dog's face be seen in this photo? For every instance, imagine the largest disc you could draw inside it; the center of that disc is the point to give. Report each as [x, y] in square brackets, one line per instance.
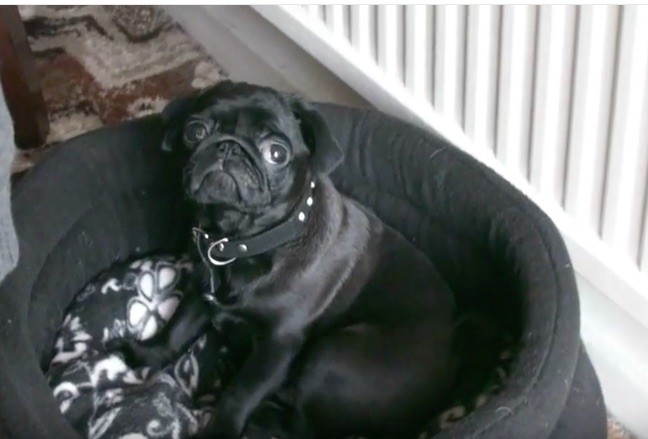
[249, 148]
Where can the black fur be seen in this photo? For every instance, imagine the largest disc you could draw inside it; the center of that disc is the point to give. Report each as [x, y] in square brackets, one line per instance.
[349, 328]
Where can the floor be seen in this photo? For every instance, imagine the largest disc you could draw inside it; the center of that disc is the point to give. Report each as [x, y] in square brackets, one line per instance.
[100, 65]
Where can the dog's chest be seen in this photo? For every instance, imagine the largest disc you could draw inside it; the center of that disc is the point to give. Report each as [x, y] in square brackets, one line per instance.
[231, 287]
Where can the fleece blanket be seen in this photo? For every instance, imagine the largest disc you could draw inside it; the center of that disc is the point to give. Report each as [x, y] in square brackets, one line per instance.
[103, 397]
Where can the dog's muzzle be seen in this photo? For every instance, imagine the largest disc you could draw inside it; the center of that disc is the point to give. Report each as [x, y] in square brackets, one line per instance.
[210, 157]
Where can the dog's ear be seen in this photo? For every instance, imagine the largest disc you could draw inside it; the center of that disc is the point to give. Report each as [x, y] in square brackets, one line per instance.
[173, 116]
[324, 148]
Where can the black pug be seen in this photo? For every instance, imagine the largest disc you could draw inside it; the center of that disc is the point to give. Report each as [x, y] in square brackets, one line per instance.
[349, 327]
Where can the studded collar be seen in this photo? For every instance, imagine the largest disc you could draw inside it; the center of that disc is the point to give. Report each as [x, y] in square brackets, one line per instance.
[218, 251]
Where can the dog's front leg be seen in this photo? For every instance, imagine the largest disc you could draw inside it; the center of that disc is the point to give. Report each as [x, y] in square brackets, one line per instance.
[262, 373]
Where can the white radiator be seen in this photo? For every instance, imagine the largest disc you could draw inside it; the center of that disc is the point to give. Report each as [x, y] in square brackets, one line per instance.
[553, 97]
[559, 94]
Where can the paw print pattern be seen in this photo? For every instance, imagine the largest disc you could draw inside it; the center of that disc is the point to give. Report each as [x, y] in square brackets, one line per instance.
[156, 300]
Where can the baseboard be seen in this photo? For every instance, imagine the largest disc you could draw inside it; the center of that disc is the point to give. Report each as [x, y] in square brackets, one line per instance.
[618, 348]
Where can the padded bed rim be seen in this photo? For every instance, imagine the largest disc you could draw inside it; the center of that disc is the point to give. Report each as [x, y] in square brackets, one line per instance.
[482, 422]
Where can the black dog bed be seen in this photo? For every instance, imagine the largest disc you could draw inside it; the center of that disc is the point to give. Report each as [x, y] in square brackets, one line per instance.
[112, 195]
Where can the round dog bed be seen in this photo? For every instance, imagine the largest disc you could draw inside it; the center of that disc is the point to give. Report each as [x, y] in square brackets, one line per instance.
[113, 195]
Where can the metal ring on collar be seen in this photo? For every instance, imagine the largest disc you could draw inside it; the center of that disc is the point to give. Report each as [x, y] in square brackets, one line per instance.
[214, 260]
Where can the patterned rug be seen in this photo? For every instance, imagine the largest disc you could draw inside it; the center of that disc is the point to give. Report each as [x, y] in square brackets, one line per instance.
[103, 64]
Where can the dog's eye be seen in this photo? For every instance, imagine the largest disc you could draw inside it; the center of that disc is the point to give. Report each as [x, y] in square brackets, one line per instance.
[274, 152]
[195, 132]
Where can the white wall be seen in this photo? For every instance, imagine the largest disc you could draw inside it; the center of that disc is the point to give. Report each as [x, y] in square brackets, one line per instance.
[252, 50]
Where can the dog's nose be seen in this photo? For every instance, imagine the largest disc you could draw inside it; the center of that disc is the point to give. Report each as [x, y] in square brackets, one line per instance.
[210, 159]
[228, 146]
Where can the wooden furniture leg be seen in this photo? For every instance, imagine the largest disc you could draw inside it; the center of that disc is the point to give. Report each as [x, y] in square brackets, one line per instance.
[20, 83]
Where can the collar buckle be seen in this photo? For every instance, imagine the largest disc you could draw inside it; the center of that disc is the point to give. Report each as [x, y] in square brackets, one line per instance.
[216, 245]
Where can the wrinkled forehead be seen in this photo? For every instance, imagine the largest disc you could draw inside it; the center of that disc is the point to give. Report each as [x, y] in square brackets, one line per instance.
[251, 114]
